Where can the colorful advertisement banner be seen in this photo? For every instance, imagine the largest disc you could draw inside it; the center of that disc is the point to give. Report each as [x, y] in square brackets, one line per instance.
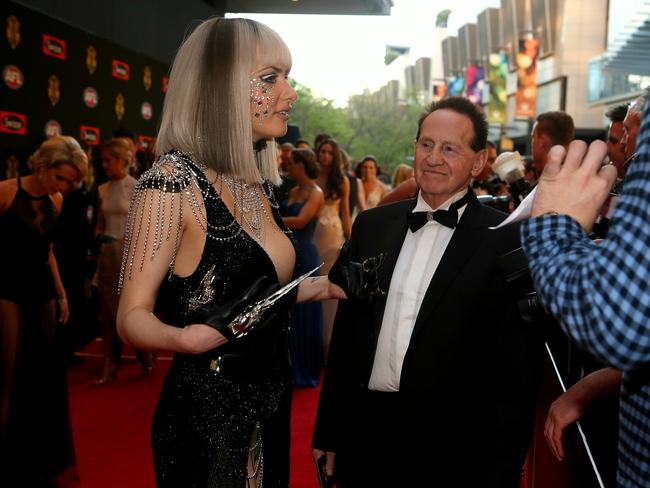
[455, 86]
[526, 95]
[497, 109]
[474, 83]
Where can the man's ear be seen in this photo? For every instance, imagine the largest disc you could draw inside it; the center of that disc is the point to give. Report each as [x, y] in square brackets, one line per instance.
[480, 160]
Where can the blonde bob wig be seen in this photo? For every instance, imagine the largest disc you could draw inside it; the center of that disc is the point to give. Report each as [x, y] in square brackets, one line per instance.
[57, 151]
[207, 108]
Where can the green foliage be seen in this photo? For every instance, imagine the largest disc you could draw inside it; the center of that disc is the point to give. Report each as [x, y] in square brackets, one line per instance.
[370, 124]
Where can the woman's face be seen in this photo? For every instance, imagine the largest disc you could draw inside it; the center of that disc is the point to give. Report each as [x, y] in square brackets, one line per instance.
[294, 169]
[271, 100]
[326, 155]
[113, 166]
[60, 179]
[368, 169]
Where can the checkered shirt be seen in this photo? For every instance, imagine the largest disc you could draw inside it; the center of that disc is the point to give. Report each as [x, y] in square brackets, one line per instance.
[601, 296]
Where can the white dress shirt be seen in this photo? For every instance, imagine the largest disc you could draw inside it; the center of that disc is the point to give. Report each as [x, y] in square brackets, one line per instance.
[416, 264]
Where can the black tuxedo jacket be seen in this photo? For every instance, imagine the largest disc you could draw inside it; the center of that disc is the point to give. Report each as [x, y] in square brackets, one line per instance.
[470, 374]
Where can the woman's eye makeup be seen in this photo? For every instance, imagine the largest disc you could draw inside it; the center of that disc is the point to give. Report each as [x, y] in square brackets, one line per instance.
[270, 78]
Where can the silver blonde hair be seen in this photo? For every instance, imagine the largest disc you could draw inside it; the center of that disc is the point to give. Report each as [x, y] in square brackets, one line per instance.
[207, 108]
[57, 151]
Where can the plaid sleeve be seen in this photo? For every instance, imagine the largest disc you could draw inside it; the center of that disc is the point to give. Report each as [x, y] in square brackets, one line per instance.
[601, 293]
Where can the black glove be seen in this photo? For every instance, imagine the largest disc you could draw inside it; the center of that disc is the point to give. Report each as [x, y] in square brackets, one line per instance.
[221, 316]
[359, 281]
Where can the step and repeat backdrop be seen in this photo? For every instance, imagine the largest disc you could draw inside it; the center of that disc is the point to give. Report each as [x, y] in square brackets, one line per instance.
[57, 79]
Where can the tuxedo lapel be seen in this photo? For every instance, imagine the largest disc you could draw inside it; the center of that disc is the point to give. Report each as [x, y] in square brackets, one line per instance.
[462, 246]
[390, 242]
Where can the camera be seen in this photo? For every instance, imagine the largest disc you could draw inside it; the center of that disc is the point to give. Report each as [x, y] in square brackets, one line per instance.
[500, 202]
[515, 269]
[510, 168]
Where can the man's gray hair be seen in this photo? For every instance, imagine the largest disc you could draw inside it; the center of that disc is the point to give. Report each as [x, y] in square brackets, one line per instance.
[638, 104]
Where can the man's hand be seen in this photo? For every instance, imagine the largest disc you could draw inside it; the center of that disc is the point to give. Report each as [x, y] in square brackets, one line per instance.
[575, 183]
[329, 463]
[570, 406]
[565, 410]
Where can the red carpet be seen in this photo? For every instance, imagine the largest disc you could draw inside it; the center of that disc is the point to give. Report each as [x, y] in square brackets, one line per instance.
[111, 425]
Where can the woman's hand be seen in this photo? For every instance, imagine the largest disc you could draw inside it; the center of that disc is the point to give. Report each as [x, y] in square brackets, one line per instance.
[335, 291]
[64, 310]
[199, 338]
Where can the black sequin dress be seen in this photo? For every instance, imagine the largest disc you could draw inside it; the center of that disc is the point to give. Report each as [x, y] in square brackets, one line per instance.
[215, 407]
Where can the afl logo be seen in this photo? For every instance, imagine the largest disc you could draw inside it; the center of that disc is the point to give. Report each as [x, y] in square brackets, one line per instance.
[91, 97]
[146, 111]
[53, 128]
[13, 77]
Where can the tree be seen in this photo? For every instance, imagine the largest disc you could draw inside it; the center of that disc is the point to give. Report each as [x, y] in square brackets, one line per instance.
[372, 123]
[314, 115]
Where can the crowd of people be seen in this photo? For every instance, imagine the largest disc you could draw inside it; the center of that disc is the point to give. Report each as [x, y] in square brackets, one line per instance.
[261, 267]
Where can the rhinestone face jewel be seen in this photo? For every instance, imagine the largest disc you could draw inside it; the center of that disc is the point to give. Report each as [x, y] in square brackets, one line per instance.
[261, 98]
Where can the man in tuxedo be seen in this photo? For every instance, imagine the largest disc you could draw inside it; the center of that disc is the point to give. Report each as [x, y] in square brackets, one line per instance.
[432, 383]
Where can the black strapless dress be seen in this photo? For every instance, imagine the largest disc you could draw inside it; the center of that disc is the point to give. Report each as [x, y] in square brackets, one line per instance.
[215, 407]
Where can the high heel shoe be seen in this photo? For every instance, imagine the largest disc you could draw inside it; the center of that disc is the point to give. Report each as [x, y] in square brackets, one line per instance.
[108, 376]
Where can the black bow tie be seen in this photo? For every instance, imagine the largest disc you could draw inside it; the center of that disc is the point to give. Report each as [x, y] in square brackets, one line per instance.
[448, 218]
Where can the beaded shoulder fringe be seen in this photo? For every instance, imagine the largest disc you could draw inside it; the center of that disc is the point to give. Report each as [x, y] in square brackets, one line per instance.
[156, 212]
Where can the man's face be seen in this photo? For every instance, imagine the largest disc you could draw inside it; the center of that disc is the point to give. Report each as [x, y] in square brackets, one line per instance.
[444, 159]
[539, 147]
[615, 149]
[631, 126]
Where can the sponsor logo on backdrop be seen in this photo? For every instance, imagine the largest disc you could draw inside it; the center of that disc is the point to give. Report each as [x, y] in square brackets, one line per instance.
[53, 46]
[91, 59]
[89, 134]
[119, 106]
[146, 78]
[91, 97]
[13, 31]
[145, 143]
[165, 80]
[53, 128]
[13, 123]
[53, 89]
[121, 70]
[12, 77]
[147, 111]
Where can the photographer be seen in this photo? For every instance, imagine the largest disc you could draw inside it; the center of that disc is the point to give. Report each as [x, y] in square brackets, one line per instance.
[600, 293]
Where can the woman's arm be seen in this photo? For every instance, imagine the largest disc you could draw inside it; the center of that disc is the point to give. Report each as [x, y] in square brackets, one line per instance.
[145, 272]
[61, 298]
[308, 211]
[345, 209]
[361, 195]
[318, 288]
[406, 189]
[100, 224]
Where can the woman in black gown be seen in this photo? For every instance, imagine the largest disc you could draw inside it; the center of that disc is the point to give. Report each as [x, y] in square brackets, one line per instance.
[35, 438]
[202, 228]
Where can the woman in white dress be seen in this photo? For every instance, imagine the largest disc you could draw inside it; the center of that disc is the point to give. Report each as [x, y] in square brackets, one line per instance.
[334, 224]
[375, 190]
